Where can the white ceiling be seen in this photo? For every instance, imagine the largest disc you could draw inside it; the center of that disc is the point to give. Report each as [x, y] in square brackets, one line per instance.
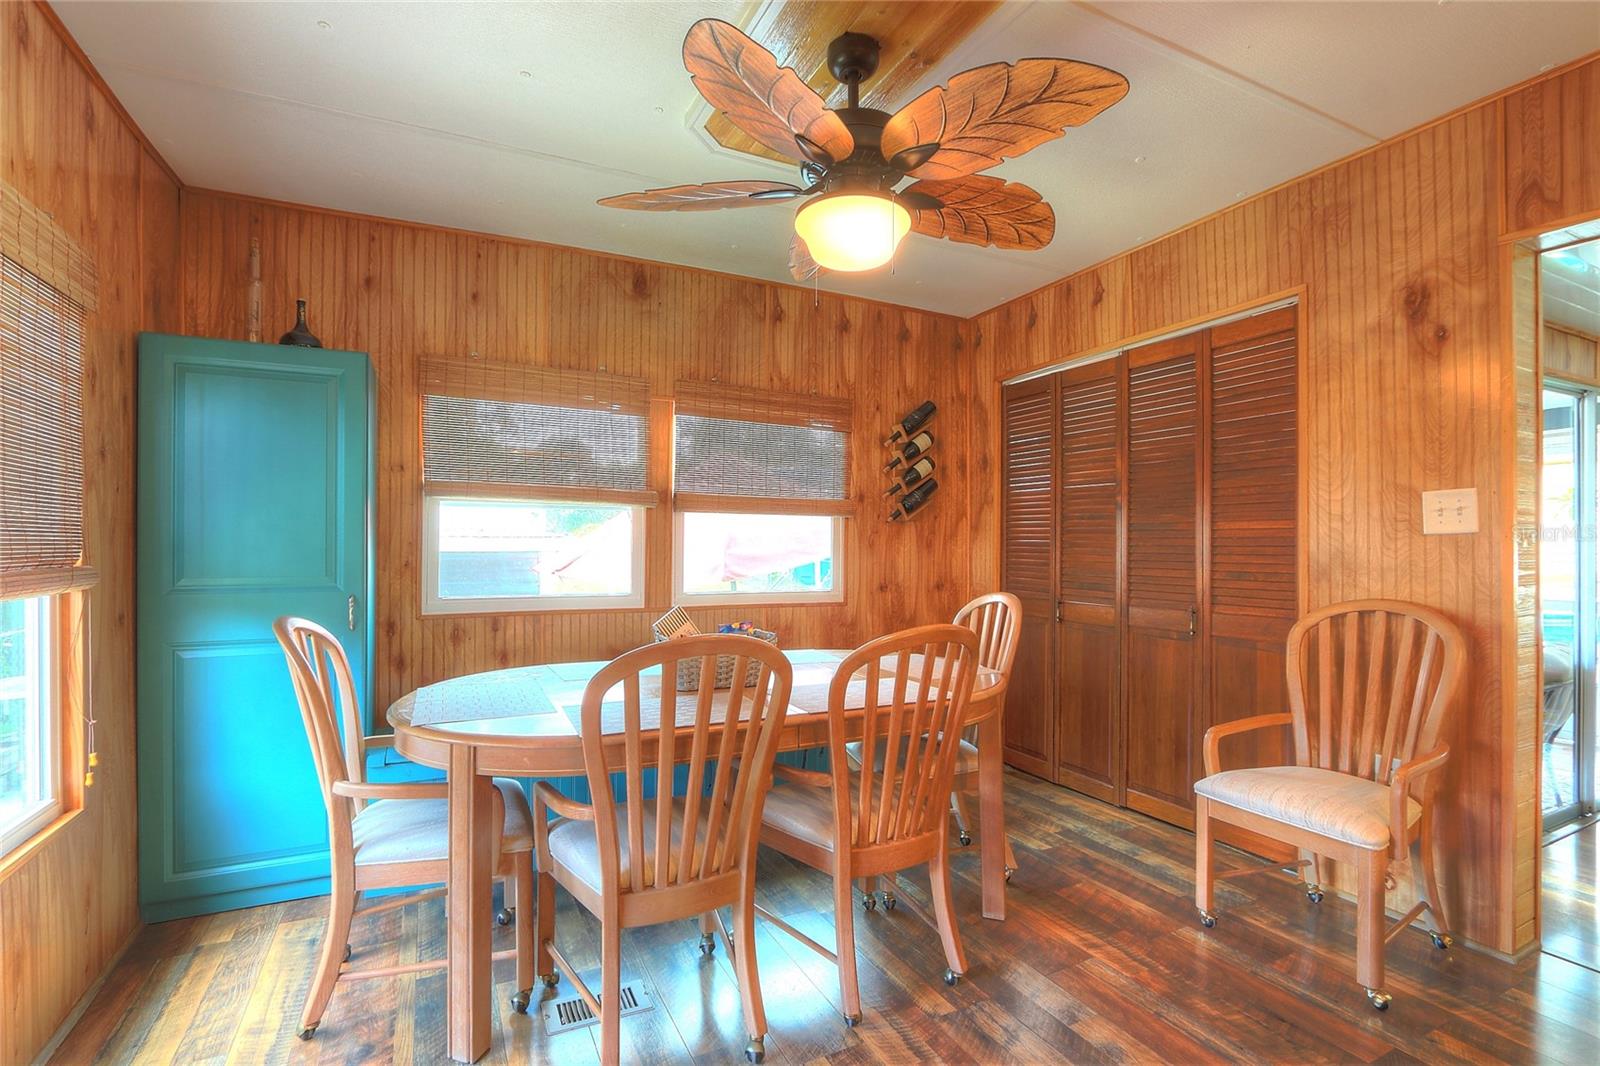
[515, 118]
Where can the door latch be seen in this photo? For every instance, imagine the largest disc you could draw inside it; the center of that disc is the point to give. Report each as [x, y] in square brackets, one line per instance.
[1194, 620]
[351, 607]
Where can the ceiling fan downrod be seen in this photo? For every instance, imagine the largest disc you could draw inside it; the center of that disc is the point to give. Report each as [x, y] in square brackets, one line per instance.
[852, 59]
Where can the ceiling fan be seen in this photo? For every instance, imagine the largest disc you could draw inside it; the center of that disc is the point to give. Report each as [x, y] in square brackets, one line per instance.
[852, 158]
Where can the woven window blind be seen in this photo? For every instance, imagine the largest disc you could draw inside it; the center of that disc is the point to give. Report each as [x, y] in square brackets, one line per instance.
[742, 450]
[41, 436]
[503, 430]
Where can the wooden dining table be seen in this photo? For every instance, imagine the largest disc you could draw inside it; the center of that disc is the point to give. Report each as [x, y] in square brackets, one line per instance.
[523, 722]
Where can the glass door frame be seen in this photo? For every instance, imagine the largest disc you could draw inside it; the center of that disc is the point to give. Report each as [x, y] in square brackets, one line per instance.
[1586, 609]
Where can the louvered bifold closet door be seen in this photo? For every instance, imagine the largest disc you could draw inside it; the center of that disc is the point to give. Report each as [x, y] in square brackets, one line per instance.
[1028, 567]
[1253, 548]
[1161, 646]
[1089, 515]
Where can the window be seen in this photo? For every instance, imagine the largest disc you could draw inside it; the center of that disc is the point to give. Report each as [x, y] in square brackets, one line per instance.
[535, 486]
[761, 489]
[29, 744]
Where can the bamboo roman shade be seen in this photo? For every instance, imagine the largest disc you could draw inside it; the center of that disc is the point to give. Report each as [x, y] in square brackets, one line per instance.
[500, 429]
[745, 450]
[46, 285]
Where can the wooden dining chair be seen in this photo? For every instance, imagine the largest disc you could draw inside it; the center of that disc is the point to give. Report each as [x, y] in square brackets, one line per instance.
[649, 860]
[877, 820]
[1371, 684]
[386, 835]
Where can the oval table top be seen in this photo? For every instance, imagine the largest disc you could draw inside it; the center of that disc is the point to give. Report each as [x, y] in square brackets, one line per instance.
[524, 721]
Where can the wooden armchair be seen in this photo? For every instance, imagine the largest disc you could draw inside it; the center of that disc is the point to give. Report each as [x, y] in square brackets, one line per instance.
[1371, 683]
[386, 836]
[889, 817]
[643, 862]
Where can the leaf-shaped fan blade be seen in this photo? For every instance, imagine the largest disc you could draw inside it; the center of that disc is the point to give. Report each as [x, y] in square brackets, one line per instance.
[979, 209]
[708, 197]
[801, 265]
[997, 112]
[771, 103]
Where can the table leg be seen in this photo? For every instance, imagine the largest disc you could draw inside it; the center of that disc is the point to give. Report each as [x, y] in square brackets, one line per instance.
[468, 903]
[992, 817]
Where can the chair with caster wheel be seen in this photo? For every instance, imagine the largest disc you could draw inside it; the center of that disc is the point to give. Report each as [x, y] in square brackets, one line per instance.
[1371, 684]
[668, 857]
[879, 820]
[386, 836]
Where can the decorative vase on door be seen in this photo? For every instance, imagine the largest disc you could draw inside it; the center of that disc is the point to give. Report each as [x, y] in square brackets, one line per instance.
[300, 336]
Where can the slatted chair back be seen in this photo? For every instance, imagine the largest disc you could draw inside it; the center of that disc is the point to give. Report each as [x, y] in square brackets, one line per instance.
[325, 689]
[918, 683]
[729, 769]
[1370, 685]
[996, 617]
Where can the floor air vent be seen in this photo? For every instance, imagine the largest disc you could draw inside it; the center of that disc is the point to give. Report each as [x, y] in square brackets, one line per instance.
[571, 1012]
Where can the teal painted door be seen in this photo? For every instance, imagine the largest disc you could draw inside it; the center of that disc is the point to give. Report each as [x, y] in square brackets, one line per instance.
[255, 474]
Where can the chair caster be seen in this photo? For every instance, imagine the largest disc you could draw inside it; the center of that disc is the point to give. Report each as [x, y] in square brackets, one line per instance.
[1379, 998]
[1314, 893]
[347, 953]
[504, 915]
[951, 978]
[869, 902]
[1208, 919]
[852, 1020]
[965, 838]
[1442, 941]
[308, 1032]
[708, 945]
[889, 901]
[551, 979]
[520, 1001]
[756, 1050]
[1009, 871]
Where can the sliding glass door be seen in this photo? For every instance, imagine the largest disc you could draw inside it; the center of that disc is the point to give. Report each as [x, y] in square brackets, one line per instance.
[1569, 608]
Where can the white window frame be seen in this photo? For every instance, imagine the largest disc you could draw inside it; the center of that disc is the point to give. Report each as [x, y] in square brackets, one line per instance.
[788, 596]
[434, 604]
[44, 684]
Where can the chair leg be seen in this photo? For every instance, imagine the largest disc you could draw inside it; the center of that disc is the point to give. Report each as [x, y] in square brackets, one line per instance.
[1371, 872]
[708, 934]
[335, 941]
[1314, 886]
[610, 990]
[944, 913]
[527, 964]
[744, 965]
[1011, 858]
[844, 935]
[958, 807]
[1430, 881]
[544, 965]
[1203, 879]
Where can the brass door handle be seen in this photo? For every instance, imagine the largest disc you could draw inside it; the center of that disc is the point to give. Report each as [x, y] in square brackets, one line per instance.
[1194, 620]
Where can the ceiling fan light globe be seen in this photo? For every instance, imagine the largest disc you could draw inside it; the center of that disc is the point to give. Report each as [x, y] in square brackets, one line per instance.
[852, 231]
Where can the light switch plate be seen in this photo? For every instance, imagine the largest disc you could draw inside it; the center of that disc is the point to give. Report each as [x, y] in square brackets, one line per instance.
[1450, 511]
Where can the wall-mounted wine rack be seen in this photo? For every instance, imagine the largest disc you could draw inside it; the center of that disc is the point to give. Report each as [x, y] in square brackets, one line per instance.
[911, 465]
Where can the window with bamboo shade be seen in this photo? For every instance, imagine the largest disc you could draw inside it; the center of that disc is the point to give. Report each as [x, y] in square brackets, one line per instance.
[761, 485]
[535, 481]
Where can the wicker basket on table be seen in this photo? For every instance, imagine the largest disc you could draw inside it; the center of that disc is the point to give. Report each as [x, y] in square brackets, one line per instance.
[689, 669]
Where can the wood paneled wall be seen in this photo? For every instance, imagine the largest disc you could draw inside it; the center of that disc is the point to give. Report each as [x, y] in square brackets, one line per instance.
[1397, 255]
[401, 291]
[69, 903]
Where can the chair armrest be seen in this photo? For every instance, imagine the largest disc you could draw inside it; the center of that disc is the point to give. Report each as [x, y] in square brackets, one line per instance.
[545, 796]
[1214, 735]
[379, 740]
[404, 790]
[809, 778]
[1400, 788]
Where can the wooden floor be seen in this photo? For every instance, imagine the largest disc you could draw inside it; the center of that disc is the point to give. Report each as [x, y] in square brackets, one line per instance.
[1570, 917]
[1101, 960]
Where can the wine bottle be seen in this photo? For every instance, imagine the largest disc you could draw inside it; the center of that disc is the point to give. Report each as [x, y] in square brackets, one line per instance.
[911, 423]
[910, 450]
[910, 476]
[911, 501]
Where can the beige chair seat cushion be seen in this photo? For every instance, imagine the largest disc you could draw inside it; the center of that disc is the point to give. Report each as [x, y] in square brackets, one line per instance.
[418, 830]
[573, 844]
[1342, 806]
[966, 757]
[806, 812]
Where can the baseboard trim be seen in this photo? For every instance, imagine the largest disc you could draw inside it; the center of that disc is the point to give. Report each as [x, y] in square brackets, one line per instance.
[75, 1015]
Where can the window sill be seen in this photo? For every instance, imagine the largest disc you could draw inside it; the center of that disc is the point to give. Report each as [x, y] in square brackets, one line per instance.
[19, 856]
